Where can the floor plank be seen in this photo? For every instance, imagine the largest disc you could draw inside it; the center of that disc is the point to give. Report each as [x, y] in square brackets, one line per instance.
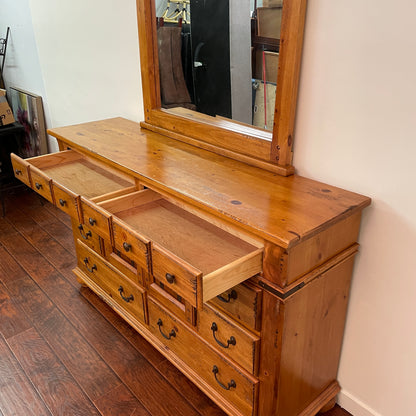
[18, 395]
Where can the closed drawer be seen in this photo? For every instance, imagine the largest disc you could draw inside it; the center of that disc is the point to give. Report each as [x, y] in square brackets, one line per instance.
[234, 385]
[41, 183]
[95, 217]
[121, 262]
[130, 297]
[20, 169]
[229, 338]
[130, 243]
[86, 235]
[192, 257]
[66, 200]
[243, 303]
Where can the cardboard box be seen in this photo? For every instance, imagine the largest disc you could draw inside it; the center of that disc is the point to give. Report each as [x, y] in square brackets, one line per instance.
[272, 3]
[269, 21]
[272, 64]
[6, 113]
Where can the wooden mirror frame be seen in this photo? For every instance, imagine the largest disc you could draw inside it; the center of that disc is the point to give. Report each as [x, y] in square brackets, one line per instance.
[257, 147]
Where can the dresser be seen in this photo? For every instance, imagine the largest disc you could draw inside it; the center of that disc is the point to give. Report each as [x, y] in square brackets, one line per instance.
[240, 277]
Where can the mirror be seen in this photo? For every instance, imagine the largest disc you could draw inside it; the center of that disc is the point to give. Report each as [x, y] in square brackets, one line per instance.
[220, 57]
[212, 129]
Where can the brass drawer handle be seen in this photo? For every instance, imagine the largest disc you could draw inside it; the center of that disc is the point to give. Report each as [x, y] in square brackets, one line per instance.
[128, 299]
[231, 341]
[231, 295]
[230, 385]
[170, 278]
[172, 333]
[18, 172]
[92, 221]
[94, 267]
[85, 236]
[38, 186]
[126, 246]
[62, 202]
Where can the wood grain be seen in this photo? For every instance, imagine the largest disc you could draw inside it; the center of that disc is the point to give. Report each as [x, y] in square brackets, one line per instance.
[282, 210]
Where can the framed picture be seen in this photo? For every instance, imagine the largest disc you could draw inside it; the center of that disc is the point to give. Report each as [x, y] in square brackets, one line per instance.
[28, 111]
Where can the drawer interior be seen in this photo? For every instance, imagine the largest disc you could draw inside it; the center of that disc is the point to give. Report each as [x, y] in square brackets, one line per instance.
[81, 174]
[194, 240]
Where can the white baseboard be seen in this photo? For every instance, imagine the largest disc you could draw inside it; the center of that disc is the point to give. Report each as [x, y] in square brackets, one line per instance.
[355, 406]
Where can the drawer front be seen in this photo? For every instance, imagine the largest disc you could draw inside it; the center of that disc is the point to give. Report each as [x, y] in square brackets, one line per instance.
[130, 243]
[84, 233]
[121, 262]
[66, 200]
[177, 275]
[242, 302]
[41, 183]
[20, 169]
[234, 385]
[128, 296]
[96, 218]
[229, 337]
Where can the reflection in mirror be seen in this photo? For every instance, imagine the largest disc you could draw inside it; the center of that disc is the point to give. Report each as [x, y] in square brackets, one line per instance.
[220, 57]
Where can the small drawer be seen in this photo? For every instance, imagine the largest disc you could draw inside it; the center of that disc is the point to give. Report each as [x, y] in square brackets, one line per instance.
[66, 200]
[41, 183]
[121, 262]
[129, 296]
[234, 385]
[130, 243]
[96, 218]
[243, 303]
[20, 169]
[83, 233]
[229, 338]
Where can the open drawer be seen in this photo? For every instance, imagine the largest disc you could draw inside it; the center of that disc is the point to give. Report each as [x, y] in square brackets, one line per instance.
[190, 256]
[63, 176]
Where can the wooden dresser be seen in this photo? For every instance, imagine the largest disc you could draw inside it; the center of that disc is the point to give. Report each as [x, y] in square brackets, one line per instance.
[239, 276]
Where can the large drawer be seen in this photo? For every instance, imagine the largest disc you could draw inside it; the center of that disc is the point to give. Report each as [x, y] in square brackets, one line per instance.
[233, 384]
[61, 177]
[192, 257]
[129, 296]
[228, 337]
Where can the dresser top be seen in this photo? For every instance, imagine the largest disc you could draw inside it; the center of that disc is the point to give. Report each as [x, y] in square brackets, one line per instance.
[283, 210]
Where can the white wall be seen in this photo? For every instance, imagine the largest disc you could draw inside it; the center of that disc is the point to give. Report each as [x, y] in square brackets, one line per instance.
[88, 54]
[21, 66]
[356, 128]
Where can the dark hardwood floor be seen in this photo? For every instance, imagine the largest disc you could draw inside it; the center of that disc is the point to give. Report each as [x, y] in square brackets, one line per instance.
[62, 350]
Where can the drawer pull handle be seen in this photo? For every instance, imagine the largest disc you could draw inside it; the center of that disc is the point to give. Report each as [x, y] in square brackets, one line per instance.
[170, 278]
[62, 202]
[85, 236]
[38, 186]
[230, 385]
[231, 341]
[92, 221]
[127, 246]
[231, 295]
[172, 333]
[17, 171]
[128, 299]
[94, 267]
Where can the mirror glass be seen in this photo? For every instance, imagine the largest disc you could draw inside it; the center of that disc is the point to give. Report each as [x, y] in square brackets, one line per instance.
[220, 57]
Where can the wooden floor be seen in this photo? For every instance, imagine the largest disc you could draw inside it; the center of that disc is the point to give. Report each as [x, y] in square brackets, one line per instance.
[62, 350]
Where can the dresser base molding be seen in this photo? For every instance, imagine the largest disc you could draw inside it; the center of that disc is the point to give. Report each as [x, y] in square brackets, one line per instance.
[326, 401]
